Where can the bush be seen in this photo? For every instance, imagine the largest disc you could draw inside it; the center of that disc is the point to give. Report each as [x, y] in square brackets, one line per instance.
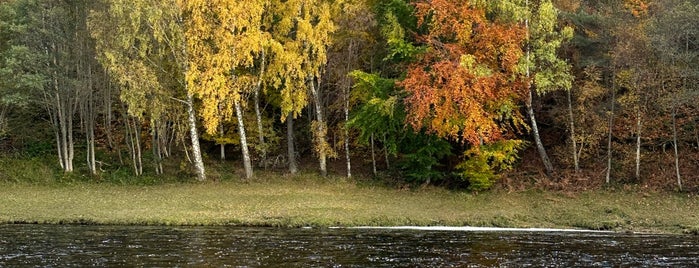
[483, 163]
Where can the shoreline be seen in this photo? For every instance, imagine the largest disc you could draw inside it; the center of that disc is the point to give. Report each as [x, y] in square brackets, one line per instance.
[308, 201]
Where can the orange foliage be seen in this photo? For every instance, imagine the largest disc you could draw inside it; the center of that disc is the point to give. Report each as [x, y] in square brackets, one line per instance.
[638, 8]
[467, 83]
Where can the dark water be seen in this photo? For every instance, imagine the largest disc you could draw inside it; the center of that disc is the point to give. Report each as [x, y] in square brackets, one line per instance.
[60, 246]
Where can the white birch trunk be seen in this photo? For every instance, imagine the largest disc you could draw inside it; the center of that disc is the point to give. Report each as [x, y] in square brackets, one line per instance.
[674, 141]
[243, 141]
[530, 111]
[194, 137]
[638, 144]
[258, 114]
[321, 143]
[537, 138]
[572, 132]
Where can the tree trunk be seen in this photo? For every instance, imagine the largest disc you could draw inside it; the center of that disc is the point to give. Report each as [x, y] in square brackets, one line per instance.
[638, 143]
[243, 141]
[90, 138]
[194, 136]
[609, 138]
[90, 124]
[572, 132]
[258, 114]
[674, 141]
[222, 146]
[346, 95]
[347, 138]
[132, 143]
[537, 138]
[320, 131]
[156, 145]
[347, 147]
[373, 155]
[290, 143]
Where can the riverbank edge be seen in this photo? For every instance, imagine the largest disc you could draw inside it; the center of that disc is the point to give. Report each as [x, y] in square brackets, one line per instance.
[311, 202]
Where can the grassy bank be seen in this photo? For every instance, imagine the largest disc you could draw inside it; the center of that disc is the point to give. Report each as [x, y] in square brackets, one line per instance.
[306, 200]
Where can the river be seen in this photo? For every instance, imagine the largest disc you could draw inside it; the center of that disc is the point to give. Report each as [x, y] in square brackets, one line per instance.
[75, 245]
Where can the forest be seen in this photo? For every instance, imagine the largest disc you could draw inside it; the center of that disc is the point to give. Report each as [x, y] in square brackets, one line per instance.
[466, 94]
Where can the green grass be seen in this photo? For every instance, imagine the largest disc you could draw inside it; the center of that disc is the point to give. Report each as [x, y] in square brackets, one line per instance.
[307, 200]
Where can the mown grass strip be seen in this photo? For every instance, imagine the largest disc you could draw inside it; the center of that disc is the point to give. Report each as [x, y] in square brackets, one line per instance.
[307, 200]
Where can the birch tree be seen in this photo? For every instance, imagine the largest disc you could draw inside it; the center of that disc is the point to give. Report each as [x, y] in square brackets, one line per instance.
[303, 33]
[142, 45]
[224, 39]
[543, 69]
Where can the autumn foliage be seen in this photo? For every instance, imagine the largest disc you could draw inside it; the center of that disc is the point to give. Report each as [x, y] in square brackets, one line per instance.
[466, 85]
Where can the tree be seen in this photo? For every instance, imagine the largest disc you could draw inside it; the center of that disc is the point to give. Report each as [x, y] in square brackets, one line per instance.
[467, 83]
[353, 42]
[463, 86]
[224, 39]
[544, 71]
[21, 72]
[637, 75]
[142, 45]
[675, 36]
[302, 34]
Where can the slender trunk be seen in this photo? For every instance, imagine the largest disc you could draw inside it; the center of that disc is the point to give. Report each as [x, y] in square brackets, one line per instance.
[346, 96]
[194, 136]
[321, 143]
[260, 129]
[243, 141]
[157, 155]
[59, 148]
[222, 146]
[674, 141]
[638, 143]
[90, 131]
[290, 143]
[373, 155]
[71, 144]
[530, 111]
[107, 102]
[131, 144]
[258, 113]
[572, 132]
[90, 139]
[347, 140]
[609, 138]
[537, 138]
[137, 139]
[62, 124]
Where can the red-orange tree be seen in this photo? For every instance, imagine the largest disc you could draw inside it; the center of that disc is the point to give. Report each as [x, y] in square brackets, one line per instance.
[466, 85]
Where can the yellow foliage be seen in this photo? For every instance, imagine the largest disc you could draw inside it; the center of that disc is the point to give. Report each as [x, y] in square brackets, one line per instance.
[223, 38]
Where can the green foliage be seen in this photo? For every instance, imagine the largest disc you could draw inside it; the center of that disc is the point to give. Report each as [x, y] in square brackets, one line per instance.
[483, 163]
[20, 66]
[422, 154]
[380, 111]
[395, 18]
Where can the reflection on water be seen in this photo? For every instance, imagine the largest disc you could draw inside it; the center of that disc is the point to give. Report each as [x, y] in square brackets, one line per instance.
[44, 245]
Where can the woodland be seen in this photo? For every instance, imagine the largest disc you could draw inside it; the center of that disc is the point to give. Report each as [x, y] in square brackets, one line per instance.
[466, 94]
